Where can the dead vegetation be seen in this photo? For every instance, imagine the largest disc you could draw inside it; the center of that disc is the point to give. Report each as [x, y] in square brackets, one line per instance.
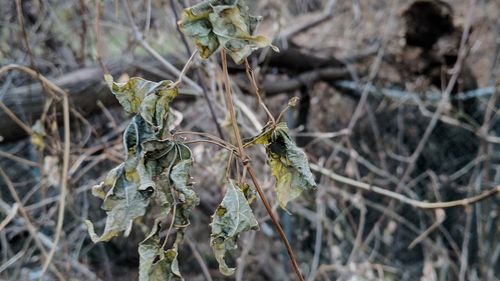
[398, 115]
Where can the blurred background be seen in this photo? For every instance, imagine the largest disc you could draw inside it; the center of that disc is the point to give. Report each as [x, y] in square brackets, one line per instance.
[398, 106]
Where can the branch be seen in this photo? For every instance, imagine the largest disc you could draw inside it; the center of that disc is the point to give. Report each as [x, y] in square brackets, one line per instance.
[329, 74]
[140, 39]
[229, 103]
[394, 195]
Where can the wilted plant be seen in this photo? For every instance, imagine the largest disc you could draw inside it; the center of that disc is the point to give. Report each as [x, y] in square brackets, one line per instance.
[156, 169]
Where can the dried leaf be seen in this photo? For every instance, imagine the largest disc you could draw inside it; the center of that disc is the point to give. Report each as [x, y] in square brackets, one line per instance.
[231, 218]
[196, 24]
[156, 168]
[155, 264]
[155, 108]
[124, 202]
[132, 93]
[288, 163]
[225, 23]
[188, 199]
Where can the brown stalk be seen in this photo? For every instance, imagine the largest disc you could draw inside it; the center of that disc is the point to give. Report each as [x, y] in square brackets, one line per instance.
[248, 167]
[58, 94]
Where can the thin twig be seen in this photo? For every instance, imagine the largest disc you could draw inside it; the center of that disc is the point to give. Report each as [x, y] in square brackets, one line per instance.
[20, 19]
[230, 106]
[248, 245]
[275, 222]
[218, 141]
[251, 78]
[199, 259]
[170, 226]
[327, 14]
[57, 93]
[140, 39]
[212, 142]
[31, 228]
[394, 195]
[10, 216]
[64, 184]
[16, 119]
[18, 159]
[320, 215]
[464, 257]
[97, 31]
[440, 217]
[185, 68]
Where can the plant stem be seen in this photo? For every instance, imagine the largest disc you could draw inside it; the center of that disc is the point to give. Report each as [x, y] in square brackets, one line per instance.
[275, 221]
[251, 77]
[248, 166]
[186, 67]
[230, 106]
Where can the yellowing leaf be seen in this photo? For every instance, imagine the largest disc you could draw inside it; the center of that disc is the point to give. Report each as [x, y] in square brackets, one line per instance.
[132, 93]
[195, 24]
[231, 218]
[234, 34]
[288, 163]
[215, 23]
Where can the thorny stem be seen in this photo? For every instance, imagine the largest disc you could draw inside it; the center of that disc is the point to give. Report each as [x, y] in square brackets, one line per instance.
[248, 167]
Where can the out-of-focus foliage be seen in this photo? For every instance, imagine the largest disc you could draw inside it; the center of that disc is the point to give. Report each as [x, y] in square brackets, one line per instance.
[38, 135]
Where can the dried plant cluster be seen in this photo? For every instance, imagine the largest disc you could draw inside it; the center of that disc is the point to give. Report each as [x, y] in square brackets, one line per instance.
[157, 166]
[383, 165]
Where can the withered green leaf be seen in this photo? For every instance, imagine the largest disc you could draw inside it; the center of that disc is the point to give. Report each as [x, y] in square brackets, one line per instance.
[225, 23]
[155, 108]
[156, 264]
[149, 172]
[196, 24]
[132, 93]
[288, 163]
[231, 218]
[187, 198]
[123, 202]
[156, 169]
